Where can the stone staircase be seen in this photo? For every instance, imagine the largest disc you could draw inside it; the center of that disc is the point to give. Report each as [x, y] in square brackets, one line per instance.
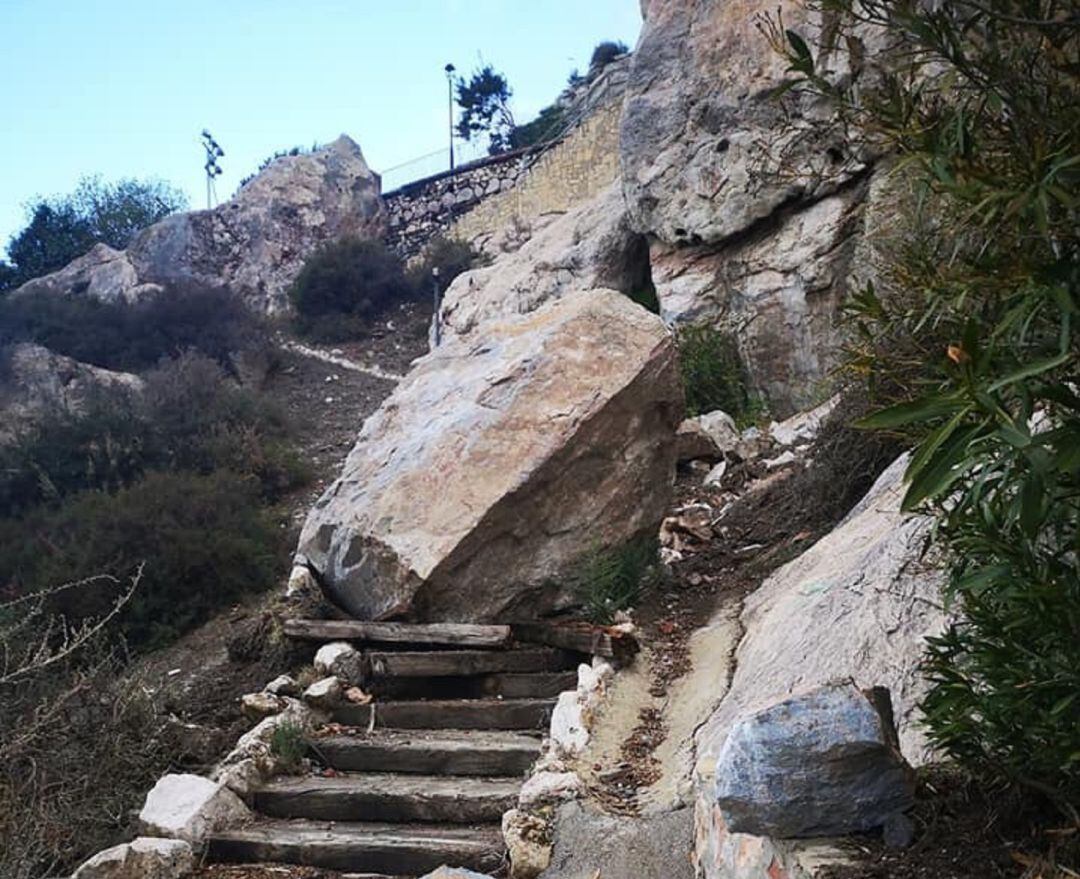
[421, 776]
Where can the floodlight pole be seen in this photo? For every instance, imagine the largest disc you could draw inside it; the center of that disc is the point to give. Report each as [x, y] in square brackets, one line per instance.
[212, 168]
[450, 107]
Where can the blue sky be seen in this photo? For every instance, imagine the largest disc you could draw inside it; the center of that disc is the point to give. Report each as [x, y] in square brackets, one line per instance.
[123, 87]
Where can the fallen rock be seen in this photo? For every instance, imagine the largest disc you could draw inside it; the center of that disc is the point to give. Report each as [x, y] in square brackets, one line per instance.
[572, 717]
[823, 764]
[253, 244]
[802, 427]
[454, 873]
[588, 843]
[550, 787]
[143, 858]
[715, 476]
[252, 759]
[497, 463]
[528, 843]
[340, 659]
[256, 706]
[589, 247]
[190, 807]
[325, 694]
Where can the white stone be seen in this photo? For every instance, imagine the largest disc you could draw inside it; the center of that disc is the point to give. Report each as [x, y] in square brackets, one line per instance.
[143, 858]
[301, 582]
[528, 843]
[340, 659]
[190, 807]
[550, 787]
[283, 685]
[256, 706]
[803, 426]
[325, 693]
[716, 475]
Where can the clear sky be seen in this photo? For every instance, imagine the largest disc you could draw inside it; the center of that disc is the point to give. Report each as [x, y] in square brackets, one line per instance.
[124, 87]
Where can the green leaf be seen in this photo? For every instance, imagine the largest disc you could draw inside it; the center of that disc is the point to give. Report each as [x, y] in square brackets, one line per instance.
[923, 409]
[1032, 495]
[1039, 366]
[943, 469]
[1059, 706]
[799, 45]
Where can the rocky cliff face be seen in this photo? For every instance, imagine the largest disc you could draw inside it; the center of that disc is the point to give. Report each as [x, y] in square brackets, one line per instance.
[255, 243]
[752, 204]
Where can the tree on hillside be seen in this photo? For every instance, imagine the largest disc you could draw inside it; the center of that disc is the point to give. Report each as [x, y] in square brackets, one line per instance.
[605, 53]
[485, 108]
[64, 227]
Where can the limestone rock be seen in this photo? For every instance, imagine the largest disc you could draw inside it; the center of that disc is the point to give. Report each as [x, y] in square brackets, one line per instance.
[256, 706]
[190, 807]
[254, 244]
[528, 843]
[37, 381]
[803, 426]
[340, 659]
[589, 843]
[550, 787]
[142, 858]
[858, 604]
[252, 759]
[572, 717]
[325, 694]
[590, 246]
[283, 685]
[826, 763]
[499, 461]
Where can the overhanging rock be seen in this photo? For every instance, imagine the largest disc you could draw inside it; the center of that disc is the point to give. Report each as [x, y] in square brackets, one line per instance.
[501, 459]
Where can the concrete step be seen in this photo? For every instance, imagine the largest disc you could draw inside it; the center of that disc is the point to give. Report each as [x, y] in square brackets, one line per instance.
[499, 714]
[449, 663]
[389, 797]
[430, 752]
[511, 685]
[393, 849]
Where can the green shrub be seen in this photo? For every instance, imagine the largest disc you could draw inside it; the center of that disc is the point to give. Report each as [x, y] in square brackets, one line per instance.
[611, 579]
[134, 336]
[971, 337]
[288, 744]
[605, 53]
[189, 417]
[449, 256]
[346, 284]
[713, 374]
[203, 539]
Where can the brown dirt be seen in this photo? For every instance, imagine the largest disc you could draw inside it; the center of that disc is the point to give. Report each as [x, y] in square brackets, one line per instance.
[968, 831]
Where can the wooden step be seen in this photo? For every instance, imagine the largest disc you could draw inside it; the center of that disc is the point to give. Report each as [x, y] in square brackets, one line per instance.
[606, 641]
[388, 797]
[512, 685]
[430, 752]
[501, 714]
[448, 663]
[376, 848]
[444, 634]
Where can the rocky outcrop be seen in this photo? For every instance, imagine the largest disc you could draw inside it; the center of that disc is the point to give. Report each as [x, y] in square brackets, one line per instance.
[590, 246]
[255, 243]
[499, 461]
[752, 204]
[857, 606]
[35, 381]
[826, 763]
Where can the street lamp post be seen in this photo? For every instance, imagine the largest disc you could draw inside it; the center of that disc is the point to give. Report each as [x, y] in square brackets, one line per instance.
[450, 106]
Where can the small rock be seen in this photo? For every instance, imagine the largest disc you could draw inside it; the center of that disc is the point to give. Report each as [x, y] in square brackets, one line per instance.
[528, 843]
[190, 807]
[256, 706]
[325, 693]
[283, 685]
[341, 659]
[357, 696]
[715, 476]
[143, 858]
[550, 787]
[454, 873]
[826, 763]
[301, 581]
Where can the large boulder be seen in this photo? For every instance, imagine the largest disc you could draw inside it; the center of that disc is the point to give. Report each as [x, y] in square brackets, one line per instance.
[825, 763]
[36, 382]
[499, 461]
[254, 244]
[858, 606]
[753, 205]
[588, 247]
